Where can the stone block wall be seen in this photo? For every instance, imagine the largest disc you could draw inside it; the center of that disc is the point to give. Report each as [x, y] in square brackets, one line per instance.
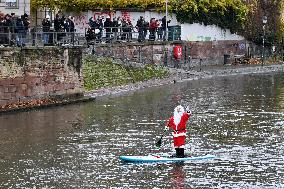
[161, 53]
[212, 52]
[145, 53]
[34, 73]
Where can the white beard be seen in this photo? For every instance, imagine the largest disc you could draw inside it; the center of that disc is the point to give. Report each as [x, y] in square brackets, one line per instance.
[177, 117]
[178, 112]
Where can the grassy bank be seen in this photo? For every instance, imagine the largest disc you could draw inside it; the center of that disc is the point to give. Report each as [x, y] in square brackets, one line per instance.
[106, 72]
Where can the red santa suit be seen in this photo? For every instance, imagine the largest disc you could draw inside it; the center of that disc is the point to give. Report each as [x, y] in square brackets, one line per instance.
[178, 124]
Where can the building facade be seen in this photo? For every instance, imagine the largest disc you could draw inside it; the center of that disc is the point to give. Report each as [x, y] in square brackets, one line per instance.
[19, 7]
[189, 32]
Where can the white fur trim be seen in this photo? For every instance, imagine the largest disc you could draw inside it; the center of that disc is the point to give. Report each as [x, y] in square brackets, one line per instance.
[180, 134]
[182, 146]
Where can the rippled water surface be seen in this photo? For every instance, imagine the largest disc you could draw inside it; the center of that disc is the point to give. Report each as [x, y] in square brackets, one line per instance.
[240, 119]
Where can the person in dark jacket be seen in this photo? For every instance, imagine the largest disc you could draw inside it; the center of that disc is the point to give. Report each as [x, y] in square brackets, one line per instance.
[108, 26]
[13, 30]
[115, 27]
[124, 28]
[140, 27]
[58, 27]
[129, 29]
[8, 29]
[26, 23]
[57, 23]
[99, 26]
[70, 27]
[20, 31]
[69, 24]
[92, 23]
[2, 28]
[165, 24]
[46, 25]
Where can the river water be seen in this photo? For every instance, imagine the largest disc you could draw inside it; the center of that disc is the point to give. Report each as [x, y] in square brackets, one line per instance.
[240, 119]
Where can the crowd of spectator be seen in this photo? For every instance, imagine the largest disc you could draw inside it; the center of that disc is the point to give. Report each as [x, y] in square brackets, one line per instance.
[121, 28]
[62, 26]
[14, 29]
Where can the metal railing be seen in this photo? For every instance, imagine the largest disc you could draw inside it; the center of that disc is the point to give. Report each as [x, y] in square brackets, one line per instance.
[37, 37]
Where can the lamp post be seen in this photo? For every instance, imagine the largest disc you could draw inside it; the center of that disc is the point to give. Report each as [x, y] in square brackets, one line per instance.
[264, 21]
[166, 20]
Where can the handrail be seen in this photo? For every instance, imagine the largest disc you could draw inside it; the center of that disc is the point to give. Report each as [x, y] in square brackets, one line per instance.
[34, 36]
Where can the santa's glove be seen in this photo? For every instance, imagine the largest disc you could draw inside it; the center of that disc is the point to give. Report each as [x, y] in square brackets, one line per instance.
[166, 128]
[188, 110]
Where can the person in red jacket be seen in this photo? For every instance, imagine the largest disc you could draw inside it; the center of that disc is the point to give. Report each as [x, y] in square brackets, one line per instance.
[178, 124]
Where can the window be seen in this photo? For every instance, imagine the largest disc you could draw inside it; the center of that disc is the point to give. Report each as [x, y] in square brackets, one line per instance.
[11, 3]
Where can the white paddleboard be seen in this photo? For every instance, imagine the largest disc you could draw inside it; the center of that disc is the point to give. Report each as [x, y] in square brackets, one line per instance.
[153, 158]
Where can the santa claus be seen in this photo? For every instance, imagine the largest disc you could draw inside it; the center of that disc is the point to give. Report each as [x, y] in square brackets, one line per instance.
[178, 124]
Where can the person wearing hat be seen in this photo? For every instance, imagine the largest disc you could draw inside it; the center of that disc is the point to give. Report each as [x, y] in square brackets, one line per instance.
[178, 124]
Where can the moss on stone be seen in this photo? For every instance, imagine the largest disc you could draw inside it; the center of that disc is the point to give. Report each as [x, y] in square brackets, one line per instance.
[106, 72]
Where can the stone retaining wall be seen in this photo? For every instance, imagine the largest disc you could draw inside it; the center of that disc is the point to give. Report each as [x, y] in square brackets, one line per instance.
[35, 73]
[47, 72]
[145, 53]
[161, 53]
[213, 52]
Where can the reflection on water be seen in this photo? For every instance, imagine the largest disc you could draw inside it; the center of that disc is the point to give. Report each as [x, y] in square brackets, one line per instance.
[239, 119]
[178, 176]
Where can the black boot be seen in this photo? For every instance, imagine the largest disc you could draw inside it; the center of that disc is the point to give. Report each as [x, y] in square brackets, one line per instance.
[180, 152]
[177, 151]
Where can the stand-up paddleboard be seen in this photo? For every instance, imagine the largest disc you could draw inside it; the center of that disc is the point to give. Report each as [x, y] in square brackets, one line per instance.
[153, 158]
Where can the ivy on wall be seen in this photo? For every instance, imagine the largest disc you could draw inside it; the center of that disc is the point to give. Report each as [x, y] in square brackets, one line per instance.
[240, 16]
[84, 5]
[229, 14]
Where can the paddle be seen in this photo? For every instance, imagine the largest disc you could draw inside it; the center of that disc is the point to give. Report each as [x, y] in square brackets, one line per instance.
[159, 142]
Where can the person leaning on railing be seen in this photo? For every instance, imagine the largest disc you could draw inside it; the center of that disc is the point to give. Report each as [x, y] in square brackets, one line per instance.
[46, 25]
[140, 27]
[26, 23]
[152, 29]
[7, 29]
[108, 25]
[159, 29]
[124, 29]
[165, 24]
[115, 27]
[100, 26]
[70, 27]
[129, 28]
[57, 27]
[2, 27]
[20, 31]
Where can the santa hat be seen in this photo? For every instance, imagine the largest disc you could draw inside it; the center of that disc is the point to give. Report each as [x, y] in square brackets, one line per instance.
[179, 108]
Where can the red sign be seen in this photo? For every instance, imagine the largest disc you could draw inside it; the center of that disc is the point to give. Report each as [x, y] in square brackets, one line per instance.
[177, 51]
